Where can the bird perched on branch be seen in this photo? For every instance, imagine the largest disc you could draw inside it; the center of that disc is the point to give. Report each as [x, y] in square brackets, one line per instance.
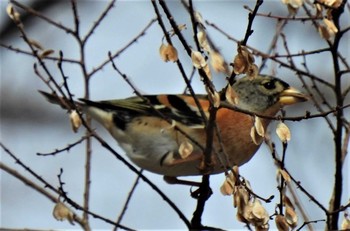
[166, 134]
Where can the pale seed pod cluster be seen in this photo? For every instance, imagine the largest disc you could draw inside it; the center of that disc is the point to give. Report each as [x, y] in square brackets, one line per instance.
[327, 30]
[324, 8]
[217, 62]
[199, 60]
[16, 17]
[169, 53]
[43, 52]
[289, 220]
[249, 208]
[243, 62]
[230, 181]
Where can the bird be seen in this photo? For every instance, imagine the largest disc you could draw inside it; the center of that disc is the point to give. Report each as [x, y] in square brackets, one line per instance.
[152, 129]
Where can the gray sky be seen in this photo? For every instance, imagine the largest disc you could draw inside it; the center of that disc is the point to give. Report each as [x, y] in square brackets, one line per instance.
[29, 124]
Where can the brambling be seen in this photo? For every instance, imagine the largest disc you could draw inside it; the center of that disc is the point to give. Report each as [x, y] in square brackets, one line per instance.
[141, 125]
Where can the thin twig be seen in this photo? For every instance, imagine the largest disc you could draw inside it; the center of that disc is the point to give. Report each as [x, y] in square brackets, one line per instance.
[68, 148]
[30, 53]
[127, 201]
[262, 54]
[279, 27]
[248, 33]
[161, 115]
[99, 20]
[37, 188]
[316, 103]
[251, 18]
[43, 17]
[145, 179]
[88, 143]
[47, 185]
[120, 51]
[335, 201]
[179, 64]
[308, 223]
[278, 117]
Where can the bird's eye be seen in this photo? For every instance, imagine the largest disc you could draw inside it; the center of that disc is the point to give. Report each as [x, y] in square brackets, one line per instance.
[270, 85]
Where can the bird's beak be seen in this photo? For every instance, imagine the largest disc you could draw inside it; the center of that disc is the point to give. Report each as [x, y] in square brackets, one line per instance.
[292, 96]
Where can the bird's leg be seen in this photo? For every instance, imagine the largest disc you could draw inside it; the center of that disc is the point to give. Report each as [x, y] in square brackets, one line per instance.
[174, 180]
[196, 193]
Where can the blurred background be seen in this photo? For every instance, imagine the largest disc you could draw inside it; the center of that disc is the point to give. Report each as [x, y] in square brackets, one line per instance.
[30, 125]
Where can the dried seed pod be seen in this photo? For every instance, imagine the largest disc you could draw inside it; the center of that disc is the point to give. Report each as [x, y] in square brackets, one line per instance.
[241, 198]
[185, 149]
[12, 13]
[283, 132]
[284, 175]
[259, 213]
[168, 53]
[247, 54]
[227, 187]
[324, 33]
[291, 217]
[46, 53]
[36, 44]
[240, 64]
[246, 211]
[231, 95]
[218, 62]
[295, 3]
[198, 60]
[198, 17]
[345, 224]
[241, 218]
[287, 202]
[256, 140]
[203, 41]
[75, 120]
[332, 29]
[281, 223]
[162, 51]
[61, 212]
[259, 126]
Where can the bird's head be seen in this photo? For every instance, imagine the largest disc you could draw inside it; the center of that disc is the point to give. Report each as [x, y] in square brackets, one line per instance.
[265, 93]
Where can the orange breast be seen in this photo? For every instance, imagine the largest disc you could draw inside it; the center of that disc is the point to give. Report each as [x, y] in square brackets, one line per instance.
[235, 133]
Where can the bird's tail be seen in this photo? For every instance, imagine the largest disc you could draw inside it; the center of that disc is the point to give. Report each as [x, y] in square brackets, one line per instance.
[63, 102]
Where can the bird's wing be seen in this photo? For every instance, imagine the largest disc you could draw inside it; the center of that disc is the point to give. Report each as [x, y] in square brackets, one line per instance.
[180, 108]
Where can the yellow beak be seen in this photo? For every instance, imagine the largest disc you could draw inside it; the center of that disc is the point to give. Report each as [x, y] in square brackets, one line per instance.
[292, 96]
